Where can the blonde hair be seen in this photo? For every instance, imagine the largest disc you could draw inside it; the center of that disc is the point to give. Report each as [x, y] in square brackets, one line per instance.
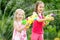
[16, 12]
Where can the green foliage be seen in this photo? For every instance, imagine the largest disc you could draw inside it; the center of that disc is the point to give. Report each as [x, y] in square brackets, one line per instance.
[50, 32]
[8, 7]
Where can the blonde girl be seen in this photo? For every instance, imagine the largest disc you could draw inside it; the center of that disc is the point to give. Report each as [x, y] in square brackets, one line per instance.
[19, 32]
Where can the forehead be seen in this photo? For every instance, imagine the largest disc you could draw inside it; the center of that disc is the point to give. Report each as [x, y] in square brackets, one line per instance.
[20, 12]
[41, 4]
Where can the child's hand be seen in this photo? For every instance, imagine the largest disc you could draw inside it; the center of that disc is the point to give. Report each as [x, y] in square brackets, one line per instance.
[44, 23]
[51, 18]
[27, 26]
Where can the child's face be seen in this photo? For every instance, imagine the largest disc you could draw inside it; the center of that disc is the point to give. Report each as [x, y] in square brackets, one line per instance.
[20, 15]
[40, 8]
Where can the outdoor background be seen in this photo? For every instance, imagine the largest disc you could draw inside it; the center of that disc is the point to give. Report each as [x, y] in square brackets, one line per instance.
[8, 7]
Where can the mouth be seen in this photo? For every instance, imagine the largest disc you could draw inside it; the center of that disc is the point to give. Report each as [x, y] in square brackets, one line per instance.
[41, 10]
[20, 17]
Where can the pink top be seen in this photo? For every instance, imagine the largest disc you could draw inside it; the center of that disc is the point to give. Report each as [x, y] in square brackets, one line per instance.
[38, 26]
[19, 35]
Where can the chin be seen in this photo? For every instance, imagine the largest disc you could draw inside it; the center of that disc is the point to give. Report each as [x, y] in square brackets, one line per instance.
[40, 11]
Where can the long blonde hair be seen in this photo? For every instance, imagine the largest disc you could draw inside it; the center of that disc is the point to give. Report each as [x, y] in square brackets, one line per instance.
[16, 12]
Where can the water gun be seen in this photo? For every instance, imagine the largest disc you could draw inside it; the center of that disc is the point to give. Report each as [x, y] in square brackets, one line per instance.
[30, 19]
[49, 16]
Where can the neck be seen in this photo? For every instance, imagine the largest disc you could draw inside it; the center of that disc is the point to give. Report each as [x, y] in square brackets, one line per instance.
[39, 13]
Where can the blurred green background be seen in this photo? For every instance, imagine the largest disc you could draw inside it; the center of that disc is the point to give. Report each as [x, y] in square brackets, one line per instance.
[8, 7]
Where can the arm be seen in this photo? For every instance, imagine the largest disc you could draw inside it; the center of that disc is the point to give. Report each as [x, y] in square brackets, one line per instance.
[27, 26]
[19, 29]
[44, 19]
[41, 20]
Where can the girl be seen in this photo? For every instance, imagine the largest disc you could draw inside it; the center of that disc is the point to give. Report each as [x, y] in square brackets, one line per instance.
[37, 30]
[19, 32]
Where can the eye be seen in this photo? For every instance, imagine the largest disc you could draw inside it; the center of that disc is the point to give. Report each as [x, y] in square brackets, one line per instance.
[41, 6]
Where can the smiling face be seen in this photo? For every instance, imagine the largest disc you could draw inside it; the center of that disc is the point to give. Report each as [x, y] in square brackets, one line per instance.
[40, 8]
[19, 14]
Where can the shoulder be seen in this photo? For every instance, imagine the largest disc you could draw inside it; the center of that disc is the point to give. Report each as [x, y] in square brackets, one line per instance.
[15, 23]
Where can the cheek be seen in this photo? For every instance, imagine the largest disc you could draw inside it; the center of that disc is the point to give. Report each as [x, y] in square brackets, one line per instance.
[22, 16]
[16, 15]
[42, 8]
[38, 8]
